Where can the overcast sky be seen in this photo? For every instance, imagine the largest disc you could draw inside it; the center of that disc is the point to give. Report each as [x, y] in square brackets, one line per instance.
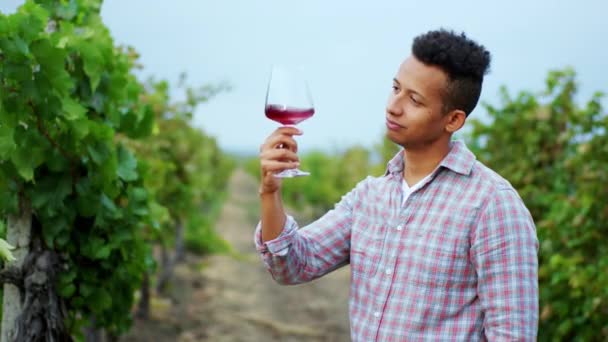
[351, 51]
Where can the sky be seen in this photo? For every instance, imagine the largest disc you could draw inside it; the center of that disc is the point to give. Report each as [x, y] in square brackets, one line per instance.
[350, 50]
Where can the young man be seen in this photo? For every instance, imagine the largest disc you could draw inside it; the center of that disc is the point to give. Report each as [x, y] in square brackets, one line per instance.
[440, 247]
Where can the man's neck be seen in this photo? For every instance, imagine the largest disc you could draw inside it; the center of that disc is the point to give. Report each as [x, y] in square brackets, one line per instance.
[419, 162]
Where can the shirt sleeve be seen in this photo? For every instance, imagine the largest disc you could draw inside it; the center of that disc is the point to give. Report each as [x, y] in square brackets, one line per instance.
[504, 253]
[279, 246]
[301, 255]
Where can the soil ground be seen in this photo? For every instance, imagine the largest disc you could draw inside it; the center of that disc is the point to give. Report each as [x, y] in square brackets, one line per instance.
[233, 298]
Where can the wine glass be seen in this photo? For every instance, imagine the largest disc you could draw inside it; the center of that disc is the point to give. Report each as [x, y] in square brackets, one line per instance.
[288, 102]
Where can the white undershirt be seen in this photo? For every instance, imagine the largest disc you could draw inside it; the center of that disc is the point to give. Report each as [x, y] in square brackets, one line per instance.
[407, 190]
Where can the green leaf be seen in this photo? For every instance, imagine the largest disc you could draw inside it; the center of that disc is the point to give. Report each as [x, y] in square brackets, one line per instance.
[5, 251]
[98, 153]
[6, 117]
[67, 277]
[86, 290]
[147, 124]
[101, 131]
[57, 162]
[93, 63]
[9, 200]
[91, 246]
[72, 110]
[138, 194]
[87, 200]
[121, 235]
[103, 252]
[67, 291]
[34, 19]
[100, 299]
[62, 239]
[51, 191]
[80, 129]
[127, 165]
[107, 203]
[23, 164]
[52, 66]
[7, 144]
[30, 153]
[67, 11]
[22, 46]
[138, 124]
[55, 226]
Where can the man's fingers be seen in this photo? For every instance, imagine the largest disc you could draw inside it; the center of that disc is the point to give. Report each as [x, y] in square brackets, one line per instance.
[277, 166]
[280, 155]
[278, 152]
[280, 141]
[289, 130]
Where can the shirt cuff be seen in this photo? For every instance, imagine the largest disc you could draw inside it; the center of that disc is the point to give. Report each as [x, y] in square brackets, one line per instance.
[280, 245]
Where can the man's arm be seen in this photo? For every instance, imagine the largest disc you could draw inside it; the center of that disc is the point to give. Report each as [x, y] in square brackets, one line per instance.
[504, 253]
[301, 255]
[294, 256]
[273, 217]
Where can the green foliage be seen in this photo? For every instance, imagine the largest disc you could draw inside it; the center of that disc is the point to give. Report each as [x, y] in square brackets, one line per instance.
[252, 167]
[188, 173]
[72, 119]
[555, 153]
[65, 92]
[201, 238]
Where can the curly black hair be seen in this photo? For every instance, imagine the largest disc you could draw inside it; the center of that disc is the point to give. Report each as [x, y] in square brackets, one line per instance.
[463, 60]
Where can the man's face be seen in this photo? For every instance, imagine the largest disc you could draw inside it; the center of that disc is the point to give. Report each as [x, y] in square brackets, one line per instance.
[414, 113]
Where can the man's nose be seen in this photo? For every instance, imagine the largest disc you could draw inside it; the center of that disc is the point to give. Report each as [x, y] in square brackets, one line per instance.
[393, 106]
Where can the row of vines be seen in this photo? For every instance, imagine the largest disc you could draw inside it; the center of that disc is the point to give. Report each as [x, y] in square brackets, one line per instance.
[104, 180]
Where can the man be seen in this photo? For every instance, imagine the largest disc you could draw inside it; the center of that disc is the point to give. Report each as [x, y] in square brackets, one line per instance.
[440, 247]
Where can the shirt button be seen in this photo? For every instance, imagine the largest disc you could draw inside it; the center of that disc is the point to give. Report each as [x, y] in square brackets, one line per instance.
[377, 314]
[399, 227]
[388, 272]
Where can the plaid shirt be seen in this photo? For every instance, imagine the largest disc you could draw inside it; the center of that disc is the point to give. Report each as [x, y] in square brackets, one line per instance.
[456, 262]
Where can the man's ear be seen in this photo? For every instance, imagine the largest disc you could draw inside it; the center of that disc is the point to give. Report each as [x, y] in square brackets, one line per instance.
[455, 120]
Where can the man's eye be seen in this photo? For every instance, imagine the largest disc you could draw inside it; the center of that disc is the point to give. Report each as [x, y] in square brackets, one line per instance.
[395, 89]
[414, 100]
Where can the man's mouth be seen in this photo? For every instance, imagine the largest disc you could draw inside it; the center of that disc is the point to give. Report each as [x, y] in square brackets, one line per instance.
[392, 125]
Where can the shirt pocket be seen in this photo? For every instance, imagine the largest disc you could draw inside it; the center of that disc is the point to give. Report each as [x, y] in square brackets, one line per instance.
[363, 264]
[436, 258]
[367, 246]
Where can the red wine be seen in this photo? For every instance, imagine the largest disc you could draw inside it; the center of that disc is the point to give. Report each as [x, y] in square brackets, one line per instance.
[288, 115]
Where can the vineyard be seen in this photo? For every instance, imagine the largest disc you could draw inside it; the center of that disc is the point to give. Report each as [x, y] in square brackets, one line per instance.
[106, 189]
[105, 182]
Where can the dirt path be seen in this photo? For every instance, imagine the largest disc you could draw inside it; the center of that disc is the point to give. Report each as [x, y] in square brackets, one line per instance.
[228, 298]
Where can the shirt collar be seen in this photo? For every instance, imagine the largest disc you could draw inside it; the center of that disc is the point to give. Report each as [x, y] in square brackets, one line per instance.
[459, 159]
